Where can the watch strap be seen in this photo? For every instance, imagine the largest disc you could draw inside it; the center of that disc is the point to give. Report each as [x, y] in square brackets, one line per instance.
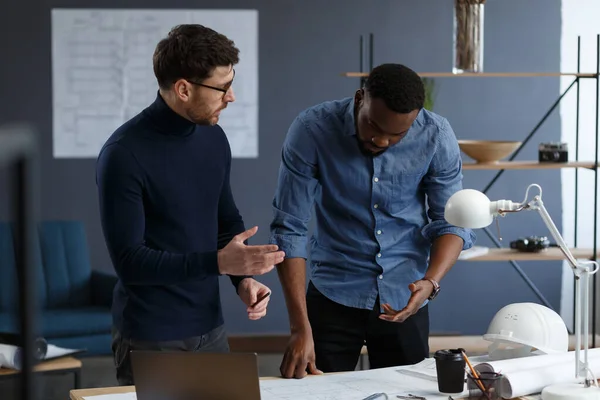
[436, 287]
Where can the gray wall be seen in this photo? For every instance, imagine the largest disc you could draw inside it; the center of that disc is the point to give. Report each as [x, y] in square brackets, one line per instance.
[303, 50]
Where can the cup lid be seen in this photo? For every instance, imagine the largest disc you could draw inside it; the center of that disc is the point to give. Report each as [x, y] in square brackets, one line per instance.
[449, 354]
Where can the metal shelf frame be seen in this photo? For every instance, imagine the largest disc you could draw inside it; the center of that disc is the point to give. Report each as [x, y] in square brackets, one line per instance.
[577, 77]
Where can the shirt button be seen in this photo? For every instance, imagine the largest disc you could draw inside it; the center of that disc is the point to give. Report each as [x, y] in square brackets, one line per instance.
[378, 254]
[376, 205]
[376, 179]
[380, 276]
[379, 232]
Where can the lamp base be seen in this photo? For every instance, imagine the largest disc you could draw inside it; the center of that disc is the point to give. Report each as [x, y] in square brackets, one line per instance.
[570, 391]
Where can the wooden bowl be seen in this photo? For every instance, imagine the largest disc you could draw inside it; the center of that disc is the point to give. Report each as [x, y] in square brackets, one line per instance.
[488, 151]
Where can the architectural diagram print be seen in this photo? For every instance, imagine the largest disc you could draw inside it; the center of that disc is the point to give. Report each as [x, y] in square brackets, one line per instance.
[102, 73]
[355, 385]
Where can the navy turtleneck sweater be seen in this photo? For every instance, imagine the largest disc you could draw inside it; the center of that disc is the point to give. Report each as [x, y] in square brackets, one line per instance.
[166, 208]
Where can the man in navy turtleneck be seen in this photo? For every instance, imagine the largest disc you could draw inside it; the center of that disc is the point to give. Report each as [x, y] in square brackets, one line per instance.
[168, 215]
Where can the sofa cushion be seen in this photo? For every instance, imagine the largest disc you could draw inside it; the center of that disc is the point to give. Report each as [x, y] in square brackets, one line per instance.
[61, 266]
[76, 322]
[9, 283]
[8, 323]
[66, 264]
[8, 273]
[66, 322]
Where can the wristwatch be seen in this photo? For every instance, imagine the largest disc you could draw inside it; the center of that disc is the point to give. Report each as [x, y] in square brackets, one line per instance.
[436, 288]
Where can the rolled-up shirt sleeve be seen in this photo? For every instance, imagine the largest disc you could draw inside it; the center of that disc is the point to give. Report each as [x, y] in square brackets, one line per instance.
[296, 186]
[443, 179]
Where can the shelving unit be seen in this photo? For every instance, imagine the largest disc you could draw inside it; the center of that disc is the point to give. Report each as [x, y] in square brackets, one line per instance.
[503, 165]
[550, 254]
[501, 253]
[483, 74]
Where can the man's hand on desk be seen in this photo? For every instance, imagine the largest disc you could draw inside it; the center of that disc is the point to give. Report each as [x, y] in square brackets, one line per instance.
[421, 290]
[250, 291]
[299, 358]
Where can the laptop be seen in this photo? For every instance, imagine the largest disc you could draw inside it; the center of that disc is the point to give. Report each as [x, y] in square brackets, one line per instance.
[165, 375]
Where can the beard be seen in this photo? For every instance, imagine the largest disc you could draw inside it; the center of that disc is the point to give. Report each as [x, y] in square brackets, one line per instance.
[203, 117]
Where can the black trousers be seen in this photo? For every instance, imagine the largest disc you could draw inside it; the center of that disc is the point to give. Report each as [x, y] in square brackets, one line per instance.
[339, 333]
[214, 341]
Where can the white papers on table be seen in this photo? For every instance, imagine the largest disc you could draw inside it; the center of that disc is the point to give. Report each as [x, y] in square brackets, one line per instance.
[10, 355]
[355, 385]
[56, 352]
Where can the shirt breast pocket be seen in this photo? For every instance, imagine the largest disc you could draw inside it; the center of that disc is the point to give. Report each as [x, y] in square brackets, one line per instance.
[406, 191]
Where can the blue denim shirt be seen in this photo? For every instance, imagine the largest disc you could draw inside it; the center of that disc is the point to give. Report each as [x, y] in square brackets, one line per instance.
[376, 217]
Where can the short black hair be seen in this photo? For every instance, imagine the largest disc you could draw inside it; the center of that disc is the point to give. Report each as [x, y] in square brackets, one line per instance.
[398, 86]
[191, 51]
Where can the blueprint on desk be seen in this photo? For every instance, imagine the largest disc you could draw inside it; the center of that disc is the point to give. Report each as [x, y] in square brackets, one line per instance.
[354, 385]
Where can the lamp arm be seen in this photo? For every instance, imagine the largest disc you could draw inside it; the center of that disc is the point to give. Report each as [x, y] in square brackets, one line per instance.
[582, 274]
[538, 205]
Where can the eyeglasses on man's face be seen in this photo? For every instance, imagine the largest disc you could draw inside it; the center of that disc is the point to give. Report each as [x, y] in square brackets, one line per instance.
[224, 89]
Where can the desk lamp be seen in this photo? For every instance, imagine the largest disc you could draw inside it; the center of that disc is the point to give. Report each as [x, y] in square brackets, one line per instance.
[472, 209]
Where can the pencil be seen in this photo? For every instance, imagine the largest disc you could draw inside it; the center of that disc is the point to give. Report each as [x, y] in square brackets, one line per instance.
[475, 375]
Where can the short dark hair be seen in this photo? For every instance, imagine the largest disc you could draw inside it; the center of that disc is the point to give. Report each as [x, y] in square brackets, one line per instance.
[191, 51]
[398, 86]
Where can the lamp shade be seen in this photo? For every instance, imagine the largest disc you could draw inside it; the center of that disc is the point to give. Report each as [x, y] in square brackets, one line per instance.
[469, 208]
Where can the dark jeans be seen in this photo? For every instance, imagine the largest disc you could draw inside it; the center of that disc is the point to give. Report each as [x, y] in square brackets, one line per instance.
[214, 341]
[339, 333]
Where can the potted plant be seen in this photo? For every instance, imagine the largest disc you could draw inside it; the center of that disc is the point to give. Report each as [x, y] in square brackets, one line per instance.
[430, 93]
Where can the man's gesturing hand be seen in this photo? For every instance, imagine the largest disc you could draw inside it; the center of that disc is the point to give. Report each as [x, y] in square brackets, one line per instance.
[239, 259]
[420, 290]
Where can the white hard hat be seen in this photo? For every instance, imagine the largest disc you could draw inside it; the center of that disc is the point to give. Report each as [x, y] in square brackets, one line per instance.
[520, 329]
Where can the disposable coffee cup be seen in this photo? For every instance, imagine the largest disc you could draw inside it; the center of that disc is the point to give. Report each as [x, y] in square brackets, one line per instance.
[450, 367]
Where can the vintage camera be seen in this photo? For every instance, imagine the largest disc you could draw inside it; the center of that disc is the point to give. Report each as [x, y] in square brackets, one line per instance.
[553, 152]
[530, 244]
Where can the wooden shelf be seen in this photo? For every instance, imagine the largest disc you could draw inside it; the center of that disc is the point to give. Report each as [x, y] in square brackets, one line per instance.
[552, 253]
[484, 74]
[527, 165]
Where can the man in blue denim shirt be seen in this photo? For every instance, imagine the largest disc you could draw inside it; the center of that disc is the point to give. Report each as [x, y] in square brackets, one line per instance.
[370, 165]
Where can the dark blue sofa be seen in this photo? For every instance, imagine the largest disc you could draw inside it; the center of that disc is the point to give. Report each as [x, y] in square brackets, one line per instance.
[74, 300]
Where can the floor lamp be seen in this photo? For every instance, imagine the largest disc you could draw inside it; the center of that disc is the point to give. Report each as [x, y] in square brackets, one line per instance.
[472, 209]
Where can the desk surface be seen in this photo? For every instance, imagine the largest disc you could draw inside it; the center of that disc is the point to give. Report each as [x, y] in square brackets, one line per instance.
[81, 393]
[63, 363]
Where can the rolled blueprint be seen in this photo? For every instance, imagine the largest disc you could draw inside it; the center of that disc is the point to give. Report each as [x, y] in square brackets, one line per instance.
[526, 382]
[528, 375]
[11, 352]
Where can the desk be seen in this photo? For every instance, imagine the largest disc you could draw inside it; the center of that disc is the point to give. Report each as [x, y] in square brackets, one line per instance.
[63, 365]
[80, 394]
